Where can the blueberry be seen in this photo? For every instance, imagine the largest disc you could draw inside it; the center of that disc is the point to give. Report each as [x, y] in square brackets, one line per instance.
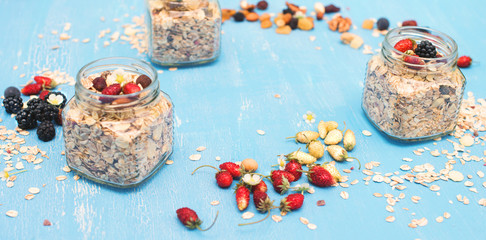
[382, 24]
[11, 91]
[293, 23]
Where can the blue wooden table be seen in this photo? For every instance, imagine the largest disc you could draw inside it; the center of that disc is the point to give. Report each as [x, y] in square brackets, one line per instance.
[220, 106]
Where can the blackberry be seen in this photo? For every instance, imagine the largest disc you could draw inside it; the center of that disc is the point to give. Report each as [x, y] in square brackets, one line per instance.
[425, 49]
[46, 112]
[34, 102]
[11, 91]
[12, 104]
[25, 119]
[46, 131]
[56, 99]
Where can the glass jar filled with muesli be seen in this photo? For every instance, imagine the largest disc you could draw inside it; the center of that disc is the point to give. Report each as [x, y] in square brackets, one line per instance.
[118, 126]
[413, 88]
[184, 32]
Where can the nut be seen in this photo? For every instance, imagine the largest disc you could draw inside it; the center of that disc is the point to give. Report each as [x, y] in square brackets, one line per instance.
[284, 29]
[252, 17]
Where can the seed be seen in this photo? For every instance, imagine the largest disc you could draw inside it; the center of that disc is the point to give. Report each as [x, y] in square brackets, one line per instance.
[276, 218]
[247, 215]
[304, 221]
[344, 195]
[214, 203]
[12, 213]
[434, 188]
[321, 203]
[195, 157]
[29, 196]
[249, 165]
[366, 133]
[261, 132]
[390, 219]
[61, 178]
[311, 226]
[201, 148]
[34, 190]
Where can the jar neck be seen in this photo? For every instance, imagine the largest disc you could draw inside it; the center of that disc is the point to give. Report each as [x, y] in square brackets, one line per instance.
[180, 5]
[91, 99]
[445, 45]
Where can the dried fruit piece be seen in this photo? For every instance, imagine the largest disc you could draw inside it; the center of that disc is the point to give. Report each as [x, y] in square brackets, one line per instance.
[143, 80]
[252, 17]
[262, 5]
[409, 23]
[284, 29]
[368, 24]
[266, 24]
[332, 9]
[305, 24]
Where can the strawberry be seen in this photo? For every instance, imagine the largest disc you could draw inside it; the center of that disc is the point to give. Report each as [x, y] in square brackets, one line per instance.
[415, 60]
[278, 174]
[333, 171]
[281, 184]
[464, 61]
[224, 179]
[294, 168]
[32, 89]
[189, 218]
[232, 168]
[242, 197]
[43, 94]
[263, 204]
[261, 187]
[405, 45]
[130, 88]
[320, 177]
[292, 202]
[44, 81]
[114, 89]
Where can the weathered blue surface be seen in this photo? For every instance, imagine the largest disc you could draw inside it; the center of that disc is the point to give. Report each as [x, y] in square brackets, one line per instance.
[221, 106]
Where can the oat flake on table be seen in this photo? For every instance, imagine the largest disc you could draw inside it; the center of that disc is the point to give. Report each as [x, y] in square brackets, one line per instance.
[195, 157]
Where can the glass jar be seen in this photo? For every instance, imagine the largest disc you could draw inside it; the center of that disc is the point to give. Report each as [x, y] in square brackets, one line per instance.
[184, 32]
[119, 140]
[413, 98]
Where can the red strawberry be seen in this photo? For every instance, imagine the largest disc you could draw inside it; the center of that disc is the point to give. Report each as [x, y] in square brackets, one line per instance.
[262, 204]
[232, 168]
[224, 179]
[292, 202]
[293, 168]
[189, 218]
[464, 61]
[44, 81]
[130, 88]
[242, 197]
[277, 174]
[32, 89]
[409, 23]
[320, 177]
[114, 89]
[281, 184]
[415, 60]
[261, 187]
[404, 45]
[43, 94]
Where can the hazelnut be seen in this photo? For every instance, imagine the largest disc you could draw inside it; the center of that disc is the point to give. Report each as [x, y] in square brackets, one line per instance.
[249, 165]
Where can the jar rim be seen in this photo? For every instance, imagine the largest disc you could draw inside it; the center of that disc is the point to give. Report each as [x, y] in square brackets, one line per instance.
[112, 61]
[429, 34]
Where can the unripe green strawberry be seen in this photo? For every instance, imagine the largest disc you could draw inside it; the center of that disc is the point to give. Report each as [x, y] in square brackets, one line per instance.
[316, 149]
[340, 154]
[349, 140]
[334, 137]
[333, 171]
[305, 136]
[302, 157]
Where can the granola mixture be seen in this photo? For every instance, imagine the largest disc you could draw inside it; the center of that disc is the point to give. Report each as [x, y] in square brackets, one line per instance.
[408, 103]
[184, 32]
[123, 146]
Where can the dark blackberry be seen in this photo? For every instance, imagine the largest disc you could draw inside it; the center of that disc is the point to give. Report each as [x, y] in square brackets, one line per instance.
[239, 17]
[46, 112]
[37, 107]
[34, 102]
[13, 104]
[46, 131]
[25, 119]
[55, 101]
[425, 49]
[11, 91]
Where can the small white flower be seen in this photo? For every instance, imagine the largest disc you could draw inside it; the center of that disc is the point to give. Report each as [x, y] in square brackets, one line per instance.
[55, 99]
[309, 117]
[281, 162]
[251, 179]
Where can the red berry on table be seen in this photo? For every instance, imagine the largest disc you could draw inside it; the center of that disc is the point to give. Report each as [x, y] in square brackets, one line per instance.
[224, 179]
[32, 89]
[464, 61]
[409, 23]
[44, 81]
[292, 202]
[114, 89]
[130, 88]
[242, 197]
[232, 168]
[320, 177]
[263, 204]
[404, 45]
[43, 94]
[189, 218]
[294, 168]
[260, 187]
[281, 184]
[278, 174]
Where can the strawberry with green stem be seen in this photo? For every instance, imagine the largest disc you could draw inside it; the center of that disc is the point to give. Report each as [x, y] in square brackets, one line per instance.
[263, 204]
[223, 178]
[294, 167]
[320, 177]
[189, 218]
[305, 136]
[242, 197]
[340, 154]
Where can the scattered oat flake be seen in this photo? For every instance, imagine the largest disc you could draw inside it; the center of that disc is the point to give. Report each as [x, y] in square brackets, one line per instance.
[311, 226]
[22, 75]
[456, 176]
[201, 148]
[321, 203]
[312, 38]
[304, 220]
[172, 69]
[366, 133]
[377, 194]
[169, 162]
[434, 188]
[47, 223]
[468, 183]
[407, 159]
[467, 140]
[64, 36]
[276, 218]
[29, 196]
[218, 158]
[247, 215]
[484, 184]
[66, 169]
[389, 208]
[482, 202]
[480, 174]
[86, 40]
[76, 177]
[40, 36]
[415, 199]
[435, 153]
[261, 132]
[55, 47]
[277, 96]
[214, 203]
[344, 195]
[12, 213]
[195, 157]
[34, 190]
[61, 178]
[15, 67]
[390, 219]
